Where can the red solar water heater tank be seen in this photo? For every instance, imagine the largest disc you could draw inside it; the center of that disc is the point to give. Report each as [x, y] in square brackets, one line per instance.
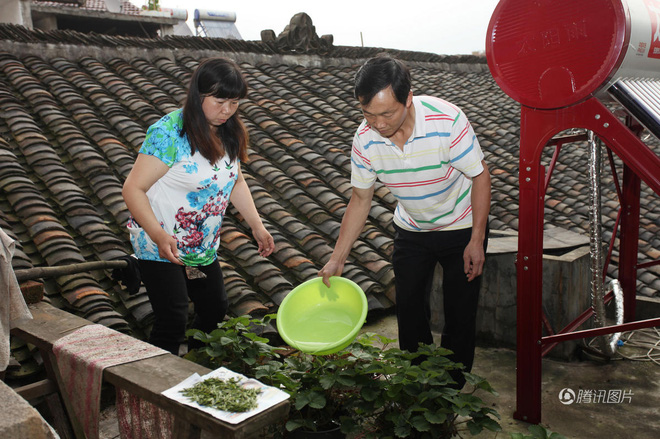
[555, 53]
[565, 62]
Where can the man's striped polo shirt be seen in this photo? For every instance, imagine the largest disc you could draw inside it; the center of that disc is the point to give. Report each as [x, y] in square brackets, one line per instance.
[432, 177]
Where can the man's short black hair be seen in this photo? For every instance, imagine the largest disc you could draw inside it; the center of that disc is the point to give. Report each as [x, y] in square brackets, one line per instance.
[379, 73]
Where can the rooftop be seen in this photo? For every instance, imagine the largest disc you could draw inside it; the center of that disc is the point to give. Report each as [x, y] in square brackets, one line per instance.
[75, 109]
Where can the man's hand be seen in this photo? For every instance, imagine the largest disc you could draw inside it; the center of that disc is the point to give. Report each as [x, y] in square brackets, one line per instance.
[473, 260]
[473, 256]
[332, 268]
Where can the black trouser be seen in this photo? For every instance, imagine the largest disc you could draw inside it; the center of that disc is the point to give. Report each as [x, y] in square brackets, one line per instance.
[169, 288]
[415, 257]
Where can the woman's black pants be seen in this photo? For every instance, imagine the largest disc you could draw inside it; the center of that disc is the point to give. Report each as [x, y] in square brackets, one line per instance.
[169, 289]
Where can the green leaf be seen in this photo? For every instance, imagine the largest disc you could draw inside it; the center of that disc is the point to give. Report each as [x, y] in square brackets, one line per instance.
[362, 355]
[479, 383]
[435, 417]
[491, 424]
[402, 431]
[214, 352]
[254, 337]
[347, 381]
[315, 400]
[369, 394]
[538, 431]
[420, 423]
[327, 381]
[412, 389]
[293, 424]
[474, 427]
[348, 425]
[193, 333]
[462, 411]
[226, 341]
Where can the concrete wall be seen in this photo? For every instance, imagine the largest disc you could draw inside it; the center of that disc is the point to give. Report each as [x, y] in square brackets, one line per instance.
[566, 294]
[45, 22]
[15, 12]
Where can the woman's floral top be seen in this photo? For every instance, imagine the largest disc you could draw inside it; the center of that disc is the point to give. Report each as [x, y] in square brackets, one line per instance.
[189, 200]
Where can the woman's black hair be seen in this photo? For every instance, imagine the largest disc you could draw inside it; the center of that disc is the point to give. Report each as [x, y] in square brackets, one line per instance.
[220, 78]
[379, 73]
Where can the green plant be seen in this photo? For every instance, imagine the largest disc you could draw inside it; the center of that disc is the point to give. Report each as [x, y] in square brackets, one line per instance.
[537, 432]
[403, 394]
[370, 389]
[318, 399]
[234, 345]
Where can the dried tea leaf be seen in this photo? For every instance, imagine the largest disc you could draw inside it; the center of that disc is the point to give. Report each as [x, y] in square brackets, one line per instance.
[227, 395]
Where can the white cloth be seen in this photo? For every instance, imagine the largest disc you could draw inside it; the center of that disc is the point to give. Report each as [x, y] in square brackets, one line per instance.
[12, 305]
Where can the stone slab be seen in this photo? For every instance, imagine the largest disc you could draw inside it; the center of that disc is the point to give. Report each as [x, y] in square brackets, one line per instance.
[18, 419]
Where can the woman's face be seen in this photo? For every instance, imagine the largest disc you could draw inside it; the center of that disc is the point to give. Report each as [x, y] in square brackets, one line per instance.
[218, 110]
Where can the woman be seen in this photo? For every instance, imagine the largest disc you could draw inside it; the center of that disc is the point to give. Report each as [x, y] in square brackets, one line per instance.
[187, 171]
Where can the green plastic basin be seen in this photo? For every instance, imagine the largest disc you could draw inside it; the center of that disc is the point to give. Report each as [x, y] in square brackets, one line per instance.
[319, 320]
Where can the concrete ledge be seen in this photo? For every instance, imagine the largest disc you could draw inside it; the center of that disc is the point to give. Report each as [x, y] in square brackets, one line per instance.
[566, 291]
[647, 308]
[18, 419]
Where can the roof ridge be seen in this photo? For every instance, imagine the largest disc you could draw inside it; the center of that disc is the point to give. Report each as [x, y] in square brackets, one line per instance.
[21, 34]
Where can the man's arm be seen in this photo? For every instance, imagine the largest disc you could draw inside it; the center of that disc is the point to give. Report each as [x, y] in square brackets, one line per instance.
[351, 227]
[473, 256]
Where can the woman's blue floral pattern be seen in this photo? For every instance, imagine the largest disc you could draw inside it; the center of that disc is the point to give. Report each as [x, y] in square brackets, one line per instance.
[191, 169]
[190, 200]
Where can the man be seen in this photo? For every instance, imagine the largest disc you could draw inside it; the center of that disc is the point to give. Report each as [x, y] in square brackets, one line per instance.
[425, 151]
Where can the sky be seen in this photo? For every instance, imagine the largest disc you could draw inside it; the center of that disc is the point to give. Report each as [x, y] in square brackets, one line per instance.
[444, 27]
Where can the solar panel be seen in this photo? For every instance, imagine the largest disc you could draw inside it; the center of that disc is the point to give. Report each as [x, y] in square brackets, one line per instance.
[220, 29]
[641, 97]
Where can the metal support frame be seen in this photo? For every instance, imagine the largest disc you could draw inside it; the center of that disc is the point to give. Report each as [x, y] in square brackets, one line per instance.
[537, 128]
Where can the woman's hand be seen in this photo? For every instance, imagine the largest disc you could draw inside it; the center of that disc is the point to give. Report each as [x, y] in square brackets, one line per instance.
[167, 247]
[265, 240]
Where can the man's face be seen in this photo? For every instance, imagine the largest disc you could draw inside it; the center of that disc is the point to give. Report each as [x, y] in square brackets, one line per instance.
[384, 113]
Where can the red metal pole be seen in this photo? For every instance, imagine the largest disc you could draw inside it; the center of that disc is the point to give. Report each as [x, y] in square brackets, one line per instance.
[579, 321]
[648, 264]
[643, 162]
[629, 242]
[530, 267]
[536, 130]
[595, 332]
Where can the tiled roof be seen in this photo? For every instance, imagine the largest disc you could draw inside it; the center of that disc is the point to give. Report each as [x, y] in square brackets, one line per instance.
[338, 54]
[70, 127]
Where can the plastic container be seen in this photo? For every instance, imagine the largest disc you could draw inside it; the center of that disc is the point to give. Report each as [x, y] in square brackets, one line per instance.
[319, 320]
